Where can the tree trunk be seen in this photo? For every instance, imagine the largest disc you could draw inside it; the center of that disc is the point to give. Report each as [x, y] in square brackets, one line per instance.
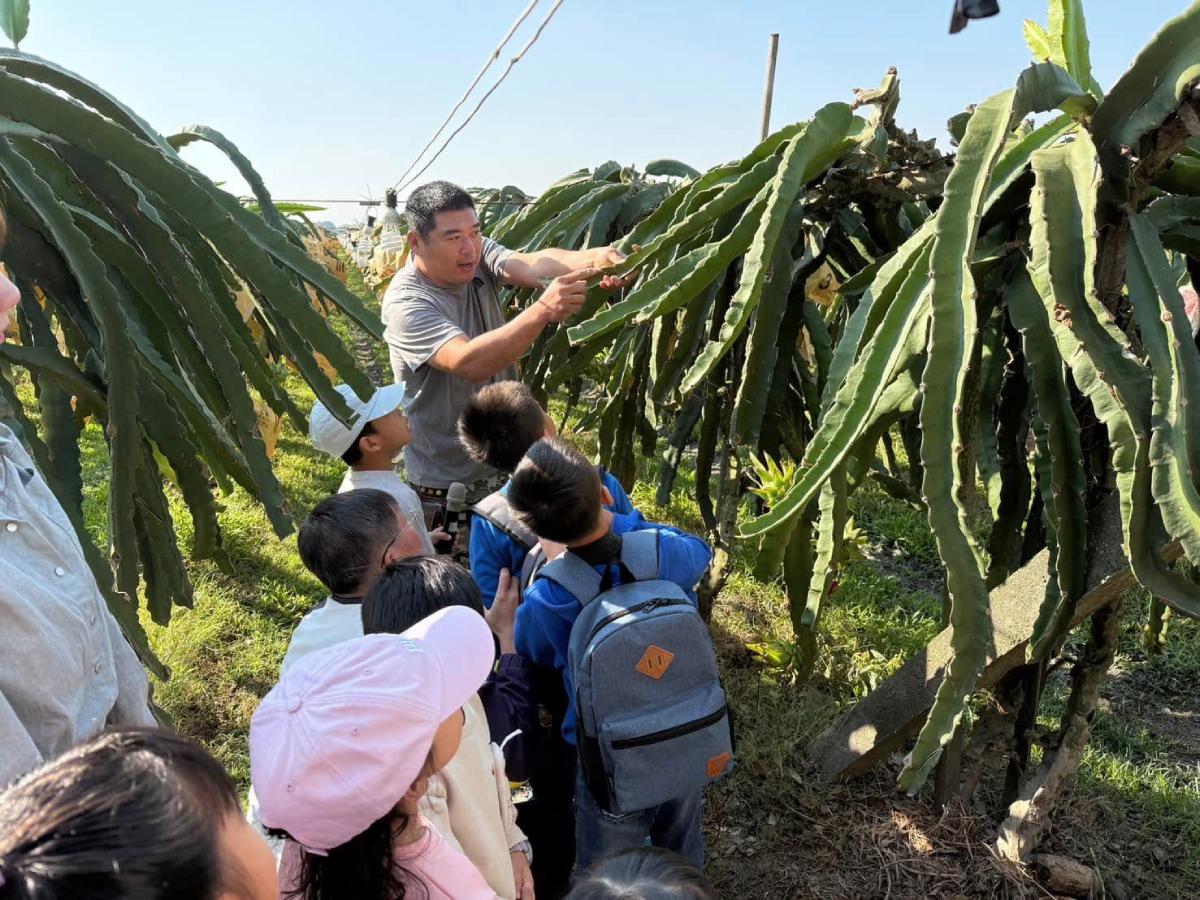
[1030, 813]
[729, 489]
[1031, 680]
[1154, 632]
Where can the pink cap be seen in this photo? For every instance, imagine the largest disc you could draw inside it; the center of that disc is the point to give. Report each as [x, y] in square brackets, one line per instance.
[339, 741]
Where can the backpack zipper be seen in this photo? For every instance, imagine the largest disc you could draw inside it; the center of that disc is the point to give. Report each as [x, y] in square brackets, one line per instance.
[668, 733]
[647, 605]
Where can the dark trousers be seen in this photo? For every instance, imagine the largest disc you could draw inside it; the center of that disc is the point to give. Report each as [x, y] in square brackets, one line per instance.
[433, 504]
[548, 819]
[674, 826]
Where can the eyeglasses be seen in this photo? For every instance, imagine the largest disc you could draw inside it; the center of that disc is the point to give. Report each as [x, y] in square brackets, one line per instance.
[410, 521]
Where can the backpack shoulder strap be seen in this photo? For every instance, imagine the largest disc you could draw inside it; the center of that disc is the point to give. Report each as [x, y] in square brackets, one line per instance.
[573, 575]
[639, 554]
[534, 562]
[494, 507]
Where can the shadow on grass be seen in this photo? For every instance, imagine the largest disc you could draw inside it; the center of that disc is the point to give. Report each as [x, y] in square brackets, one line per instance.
[1134, 808]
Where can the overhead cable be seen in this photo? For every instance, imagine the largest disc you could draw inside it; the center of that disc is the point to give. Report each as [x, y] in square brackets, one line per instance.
[495, 55]
[512, 62]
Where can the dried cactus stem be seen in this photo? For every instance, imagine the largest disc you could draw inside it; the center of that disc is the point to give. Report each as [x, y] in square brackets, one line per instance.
[1154, 632]
[947, 777]
[1029, 682]
[729, 492]
[1030, 813]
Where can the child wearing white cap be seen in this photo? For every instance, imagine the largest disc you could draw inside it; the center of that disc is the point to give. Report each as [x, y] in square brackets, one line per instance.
[342, 747]
[377, 432]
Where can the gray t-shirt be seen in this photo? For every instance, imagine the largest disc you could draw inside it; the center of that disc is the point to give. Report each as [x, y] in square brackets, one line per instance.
[419, 317]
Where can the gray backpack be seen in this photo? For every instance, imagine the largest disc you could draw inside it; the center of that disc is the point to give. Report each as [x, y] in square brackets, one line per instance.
[652, 720]
[494, 507]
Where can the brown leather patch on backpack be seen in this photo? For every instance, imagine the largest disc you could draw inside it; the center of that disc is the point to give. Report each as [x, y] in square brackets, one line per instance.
[718, 764]
[655, 662]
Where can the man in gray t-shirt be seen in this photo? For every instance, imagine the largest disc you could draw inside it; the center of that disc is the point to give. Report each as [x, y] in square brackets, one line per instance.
[446, 331]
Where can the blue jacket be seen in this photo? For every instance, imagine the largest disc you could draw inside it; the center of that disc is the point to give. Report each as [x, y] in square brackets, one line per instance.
[493, 550]
[545, 617]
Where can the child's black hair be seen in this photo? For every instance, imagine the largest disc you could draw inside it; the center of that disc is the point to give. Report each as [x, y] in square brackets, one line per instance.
[364, 866]
[353, 455]
[645, 873]
[500, 423]
[132, 812]
[410, 590]
[555, 492]
[344, 537]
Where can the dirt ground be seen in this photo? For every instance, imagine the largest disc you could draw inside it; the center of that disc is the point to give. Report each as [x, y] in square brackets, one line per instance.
[774, 830]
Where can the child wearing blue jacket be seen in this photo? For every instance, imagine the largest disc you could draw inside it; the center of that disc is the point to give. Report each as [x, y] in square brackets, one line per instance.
[559, 496]
[499, 424]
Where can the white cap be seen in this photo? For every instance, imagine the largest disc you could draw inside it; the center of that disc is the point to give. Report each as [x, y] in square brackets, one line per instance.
[331, 436]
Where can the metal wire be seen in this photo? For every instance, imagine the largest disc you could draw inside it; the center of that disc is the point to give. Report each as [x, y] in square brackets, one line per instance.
[495, 55]
[400, 201]
[512, 62]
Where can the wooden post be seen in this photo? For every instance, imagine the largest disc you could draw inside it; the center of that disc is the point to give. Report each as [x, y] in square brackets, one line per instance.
[769, 91]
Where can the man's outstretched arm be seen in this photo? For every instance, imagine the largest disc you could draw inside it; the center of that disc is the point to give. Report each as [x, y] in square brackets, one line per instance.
[527, 269]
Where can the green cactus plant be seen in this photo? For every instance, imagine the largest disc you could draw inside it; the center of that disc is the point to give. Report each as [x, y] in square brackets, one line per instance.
[129, 259]
[1037, 285]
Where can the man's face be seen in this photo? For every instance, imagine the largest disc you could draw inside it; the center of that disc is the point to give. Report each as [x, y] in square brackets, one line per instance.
[408, 539]
[9, 298]
[405, 543]
[450, 254]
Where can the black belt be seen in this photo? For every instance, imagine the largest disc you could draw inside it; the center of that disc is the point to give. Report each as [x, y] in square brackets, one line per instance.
[431, 493]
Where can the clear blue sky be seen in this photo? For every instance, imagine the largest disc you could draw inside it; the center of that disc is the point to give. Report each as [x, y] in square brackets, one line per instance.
[329, 98]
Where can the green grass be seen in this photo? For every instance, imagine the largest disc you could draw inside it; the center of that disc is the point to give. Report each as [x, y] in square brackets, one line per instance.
[1140, 776]
[224, 653]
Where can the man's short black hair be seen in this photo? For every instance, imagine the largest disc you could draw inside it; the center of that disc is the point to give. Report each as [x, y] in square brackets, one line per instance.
[343, 539]
[353, 455]
[410, 590]
[425, 202]
[555, 492]
[500, 423]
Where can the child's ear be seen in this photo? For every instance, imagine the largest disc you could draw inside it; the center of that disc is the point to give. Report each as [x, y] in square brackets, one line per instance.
[369, 443]
[606, 497]
[416, 790]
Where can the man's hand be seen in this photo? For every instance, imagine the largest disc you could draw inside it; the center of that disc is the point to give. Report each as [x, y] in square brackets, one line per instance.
[522, 876]
[437, 535]
[564, 295]
[501, 618]
[608, 258]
